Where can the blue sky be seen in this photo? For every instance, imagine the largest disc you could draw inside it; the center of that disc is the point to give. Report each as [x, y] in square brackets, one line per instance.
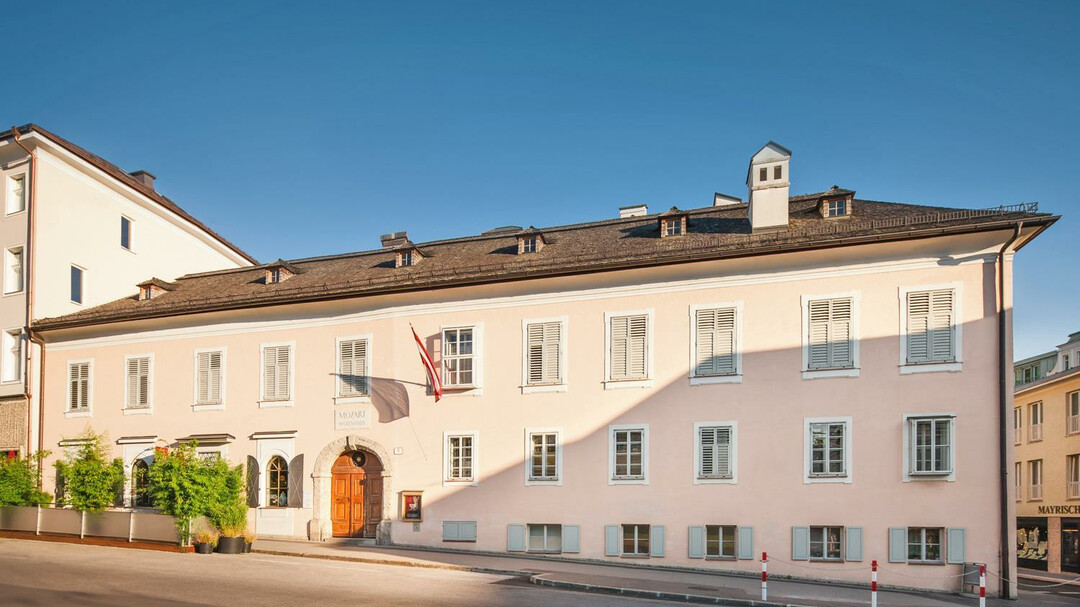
[449, 118]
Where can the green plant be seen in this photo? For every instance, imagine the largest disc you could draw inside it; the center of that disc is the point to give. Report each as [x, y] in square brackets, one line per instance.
[91, 481]
[19, 480]
[206, 536]
[186, 486]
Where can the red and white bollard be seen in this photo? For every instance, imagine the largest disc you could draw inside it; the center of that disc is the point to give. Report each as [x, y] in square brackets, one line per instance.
[764, 576]
[982, 585]
[873, 583]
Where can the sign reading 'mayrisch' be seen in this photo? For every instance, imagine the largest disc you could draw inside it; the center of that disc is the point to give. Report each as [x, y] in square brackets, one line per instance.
[347, 418]
[1071, 509]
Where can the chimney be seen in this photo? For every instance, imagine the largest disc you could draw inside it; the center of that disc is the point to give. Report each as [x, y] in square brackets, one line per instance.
[144, 177]
[634, 210]
[394, 240]
[769, 181]
[720, 200]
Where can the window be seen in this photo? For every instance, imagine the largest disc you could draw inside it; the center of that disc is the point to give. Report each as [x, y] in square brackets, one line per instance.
[125, 232]
[715, 350]
[829, 341]
[828, 449]
[629, 453]
[635, 540]
[277, 482]
[924, 544]
[825, 543]
[208, 377]
[1035, 428]
[76, 284]
[1072, 477]
[1065, 362]
[544, 353]
[1035, 469]
[137, 391]
[460, 457]
[720, 541]
[277, 371]
[777, 172]
[353, 367]
[932, 333]
[1072, 412]
[763, 174]
[1017, 481]
[836, 208]
[405, 258]
[140, 484]
[79, 386]
[673, 226]
[528, 244]
[545, 538]
[1018, 422]
[931, 445]
[628, 347]
[459, 357]
[16, 194]
[544, 456]
[13, 355]
[715, 455]
[13, 270]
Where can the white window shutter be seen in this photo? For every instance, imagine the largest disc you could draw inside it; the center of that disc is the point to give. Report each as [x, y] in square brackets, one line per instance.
[552, 344]
[571, 538]
[697, 542]
[941, 326]
[715, 451]
[840, 338]
[746, 543]
[800, 543]
[269, 373]
[620, 345]
[637, 355]
[611, 540]
[75, 397]
[202, 362]
[656, 540]
[829, 341]
[955, 546]
[853, 548]
[818, 338]
[897, 544]
[715, 335]
[132, 383]
[515, 538]
[918, 327]
[214, 390]
[283, 355]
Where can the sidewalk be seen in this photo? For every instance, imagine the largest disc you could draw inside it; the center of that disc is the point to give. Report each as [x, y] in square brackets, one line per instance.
[1068, 579]
[686, 586]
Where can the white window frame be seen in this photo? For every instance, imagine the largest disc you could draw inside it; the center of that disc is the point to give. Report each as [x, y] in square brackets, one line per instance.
[734, 378]
[825, 543]
[942, 532]
[808, 458]
[470, 482]
[958, 330]
[563, 383]
[1072, 476]
[149, 408]
[554, 482]
[263, 402]
[477, 387]
[1018, 482]
[270, 445]
[637, 540]
[219, 406]
[82, 284]
[854, 370]
[339, 398]
[647, 381]
[8, 255]
[547, 549]
[733, 457]
[69, 413]
[1033, 428]
[644, 479]
[20, 356]
[9, 190]
[131, 233]
[1072, 422]
[1018, 425]
[1031, 477]
[908, 463]
[720, 557]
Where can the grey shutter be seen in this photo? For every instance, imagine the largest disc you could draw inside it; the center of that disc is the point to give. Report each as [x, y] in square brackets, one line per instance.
[715, 451]
[656, 540]
[897, 544]
[800, 543]
[296, 482]
[853, 548]
[818, 338]
[745, 543]
[955, 541]
[611, 540]
[918, 327]
[515, 538]
[941, 326]
[715, 334]
[697, 542]
[571, 538]
[468, 530]
[451, 531]
[77, 397]
[829, 342]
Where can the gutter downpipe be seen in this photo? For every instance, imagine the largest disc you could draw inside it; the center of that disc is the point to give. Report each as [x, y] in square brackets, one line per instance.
[28, 263]
[1003, 415]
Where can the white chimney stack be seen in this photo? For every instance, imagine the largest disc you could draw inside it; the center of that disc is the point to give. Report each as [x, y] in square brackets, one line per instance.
[769, 180]
[634, 210]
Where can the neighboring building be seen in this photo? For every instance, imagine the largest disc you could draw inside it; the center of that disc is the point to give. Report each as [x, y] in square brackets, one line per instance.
[77, 232]
[1035, 368]
[1046, 468]
[793, 374]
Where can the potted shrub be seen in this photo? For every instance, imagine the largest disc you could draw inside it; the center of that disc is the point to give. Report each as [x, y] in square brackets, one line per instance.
[249, 539]
[204, 541]
[232, 521]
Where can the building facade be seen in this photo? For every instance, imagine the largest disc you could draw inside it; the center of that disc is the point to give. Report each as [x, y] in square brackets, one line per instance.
[75, 232]
[1046, 427]
[693, 387]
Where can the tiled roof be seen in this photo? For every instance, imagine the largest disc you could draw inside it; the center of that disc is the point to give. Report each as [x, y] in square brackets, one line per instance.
[713, 233]
[127, 179]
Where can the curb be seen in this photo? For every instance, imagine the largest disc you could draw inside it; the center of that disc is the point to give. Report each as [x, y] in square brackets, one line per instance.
[1047, 579]
[540, 580]
[394, 562]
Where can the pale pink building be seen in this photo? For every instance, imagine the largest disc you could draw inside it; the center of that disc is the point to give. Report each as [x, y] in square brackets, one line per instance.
[815, 376]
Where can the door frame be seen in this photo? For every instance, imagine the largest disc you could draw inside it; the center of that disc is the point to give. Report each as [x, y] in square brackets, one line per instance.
[320, 527]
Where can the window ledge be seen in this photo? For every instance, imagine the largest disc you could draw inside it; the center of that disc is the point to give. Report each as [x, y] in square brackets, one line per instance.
[810, 480]
[541, 482]
[208, 407]
[908, 369]
[927, 563]
[536, 389]
[714, 480]
[824, 373]
[71, 414]
[461, 483]
[350, 400]
[138, 411]
[628, 481]
[617, 384]
[705, 380]
[720, 558]
[463, 391]
[9, 382]
[825, 560]
[635, 556]
[10, 293]
[269, 404]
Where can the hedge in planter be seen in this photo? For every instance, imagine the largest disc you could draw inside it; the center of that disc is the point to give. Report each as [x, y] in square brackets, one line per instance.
[92, 482]
[186, 486]
[19, 479]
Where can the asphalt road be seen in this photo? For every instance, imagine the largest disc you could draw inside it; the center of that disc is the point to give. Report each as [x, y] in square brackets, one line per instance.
[54, 574]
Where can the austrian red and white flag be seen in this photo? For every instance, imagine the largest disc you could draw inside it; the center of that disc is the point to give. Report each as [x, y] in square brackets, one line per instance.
[433, 375]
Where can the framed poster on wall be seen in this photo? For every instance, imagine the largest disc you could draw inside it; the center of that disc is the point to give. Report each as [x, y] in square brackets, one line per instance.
[412, 506]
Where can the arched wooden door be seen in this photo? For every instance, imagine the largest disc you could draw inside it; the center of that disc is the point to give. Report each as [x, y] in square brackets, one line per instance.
[356, 494]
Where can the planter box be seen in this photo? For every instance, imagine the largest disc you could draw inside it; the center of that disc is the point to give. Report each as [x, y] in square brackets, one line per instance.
[18, 518]
[108, 524]
[61, 521]
[152, 527]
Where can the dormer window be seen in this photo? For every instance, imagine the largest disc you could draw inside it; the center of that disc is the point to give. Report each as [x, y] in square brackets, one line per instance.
[672, 223]
[147, 293]
[273, 275]
[836, 208]
[154, 287]
[408, 257]
[672, 228]
[530, 242]
[279, 271]
[405, 258]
